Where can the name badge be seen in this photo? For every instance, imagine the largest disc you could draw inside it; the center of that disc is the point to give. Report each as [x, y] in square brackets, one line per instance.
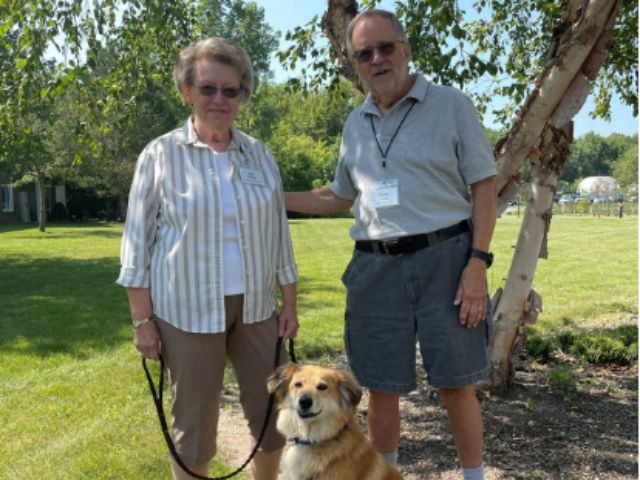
[385, 194]
[252, 176]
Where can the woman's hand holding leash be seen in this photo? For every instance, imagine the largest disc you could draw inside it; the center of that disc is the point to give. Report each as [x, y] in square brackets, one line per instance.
[288, 323]
[146, 338]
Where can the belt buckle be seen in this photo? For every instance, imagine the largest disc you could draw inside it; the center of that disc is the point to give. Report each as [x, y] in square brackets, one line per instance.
[386, 245]
[433, 238]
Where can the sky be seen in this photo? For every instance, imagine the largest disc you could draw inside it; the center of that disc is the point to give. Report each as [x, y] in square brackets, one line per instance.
[284, 15]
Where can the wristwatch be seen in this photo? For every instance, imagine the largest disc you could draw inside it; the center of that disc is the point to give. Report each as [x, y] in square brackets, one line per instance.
[137, 323]
[486, 257]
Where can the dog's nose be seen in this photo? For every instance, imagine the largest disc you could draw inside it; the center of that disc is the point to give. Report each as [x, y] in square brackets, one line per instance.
[305, 402]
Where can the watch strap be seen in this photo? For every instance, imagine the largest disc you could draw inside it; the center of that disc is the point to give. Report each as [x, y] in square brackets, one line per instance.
[486, 257]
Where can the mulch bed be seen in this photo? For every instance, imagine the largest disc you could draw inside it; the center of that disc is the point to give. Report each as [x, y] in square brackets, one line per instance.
[588, 430]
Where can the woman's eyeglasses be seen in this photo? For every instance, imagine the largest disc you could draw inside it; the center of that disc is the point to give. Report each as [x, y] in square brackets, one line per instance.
[386, 49]
[211, 90]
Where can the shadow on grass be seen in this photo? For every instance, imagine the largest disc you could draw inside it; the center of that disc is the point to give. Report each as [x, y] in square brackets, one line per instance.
[64, 230]
[56, 305]
[18, 227]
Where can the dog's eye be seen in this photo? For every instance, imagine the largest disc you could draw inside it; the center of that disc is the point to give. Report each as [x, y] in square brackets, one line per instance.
[298, 384]
[322, 386]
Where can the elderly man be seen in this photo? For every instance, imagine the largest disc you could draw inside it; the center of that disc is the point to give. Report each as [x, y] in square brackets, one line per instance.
[417, 169]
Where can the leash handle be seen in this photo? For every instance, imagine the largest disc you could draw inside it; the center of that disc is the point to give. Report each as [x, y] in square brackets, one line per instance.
[157, 400]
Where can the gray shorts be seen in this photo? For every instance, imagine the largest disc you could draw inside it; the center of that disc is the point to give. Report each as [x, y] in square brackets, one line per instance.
[394, 301]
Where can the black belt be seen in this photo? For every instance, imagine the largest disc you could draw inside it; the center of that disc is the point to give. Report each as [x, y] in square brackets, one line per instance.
[412, 243]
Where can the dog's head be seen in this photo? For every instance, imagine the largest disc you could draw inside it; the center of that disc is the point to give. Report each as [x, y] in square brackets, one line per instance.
[313, 391]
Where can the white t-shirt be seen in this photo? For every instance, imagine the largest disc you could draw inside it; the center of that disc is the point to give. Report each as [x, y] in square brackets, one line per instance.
[233, 283]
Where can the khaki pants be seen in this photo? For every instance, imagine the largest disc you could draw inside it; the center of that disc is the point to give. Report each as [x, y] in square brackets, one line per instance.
[195, 362]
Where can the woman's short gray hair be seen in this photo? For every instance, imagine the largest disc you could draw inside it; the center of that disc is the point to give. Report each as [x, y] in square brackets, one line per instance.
[221, 50]
[370, 13]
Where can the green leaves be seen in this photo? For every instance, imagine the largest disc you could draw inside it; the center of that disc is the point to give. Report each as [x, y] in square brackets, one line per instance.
[243, 22]
[493, 49]
[77, 79]
[595, 155]
[302, 129]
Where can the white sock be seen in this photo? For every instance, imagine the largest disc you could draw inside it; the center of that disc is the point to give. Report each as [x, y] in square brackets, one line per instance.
[391, 457]
[473, 473]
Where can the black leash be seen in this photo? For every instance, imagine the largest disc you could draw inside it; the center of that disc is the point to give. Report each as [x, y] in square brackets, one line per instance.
[157, 400]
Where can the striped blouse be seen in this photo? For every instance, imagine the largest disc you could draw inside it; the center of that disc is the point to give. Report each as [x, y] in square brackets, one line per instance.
[173, 235]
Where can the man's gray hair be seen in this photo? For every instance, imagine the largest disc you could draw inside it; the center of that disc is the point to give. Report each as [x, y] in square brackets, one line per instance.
[370, 13]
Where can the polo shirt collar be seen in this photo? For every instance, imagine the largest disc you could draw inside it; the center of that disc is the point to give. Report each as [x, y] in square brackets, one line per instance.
[418, 92]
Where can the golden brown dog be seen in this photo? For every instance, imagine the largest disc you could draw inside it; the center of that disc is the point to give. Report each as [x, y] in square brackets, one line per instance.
[317, 409]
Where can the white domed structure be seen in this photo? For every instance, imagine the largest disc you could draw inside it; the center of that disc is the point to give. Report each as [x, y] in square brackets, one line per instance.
[595, 187]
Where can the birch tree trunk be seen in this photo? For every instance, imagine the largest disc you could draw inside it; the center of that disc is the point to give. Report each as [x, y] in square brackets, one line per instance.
[562, 87]
[518, 303]
[334, 24]
[560, 92]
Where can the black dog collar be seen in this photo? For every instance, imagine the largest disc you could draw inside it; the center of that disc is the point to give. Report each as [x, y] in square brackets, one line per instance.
[307, 442]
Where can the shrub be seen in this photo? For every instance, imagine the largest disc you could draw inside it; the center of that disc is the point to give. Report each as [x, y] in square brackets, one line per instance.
[600, 349]
[541, 348]
[561, 378]
[619, 346]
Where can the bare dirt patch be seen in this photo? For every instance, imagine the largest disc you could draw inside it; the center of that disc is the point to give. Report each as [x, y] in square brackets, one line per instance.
[535, 431]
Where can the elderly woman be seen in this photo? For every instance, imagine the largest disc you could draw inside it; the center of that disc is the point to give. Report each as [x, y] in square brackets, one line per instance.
[205, 245]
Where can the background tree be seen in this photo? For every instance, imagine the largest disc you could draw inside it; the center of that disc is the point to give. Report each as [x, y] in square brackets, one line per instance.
[625, 169]
[142, 36]
[29, 88]
[243, 22]
[594, 155]
[590, 155]
[493, 50]
[96, 79]
[302, 129]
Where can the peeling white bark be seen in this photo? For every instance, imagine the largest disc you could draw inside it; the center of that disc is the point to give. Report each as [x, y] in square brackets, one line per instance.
[514, 299]
[561, 91]
[577, 50]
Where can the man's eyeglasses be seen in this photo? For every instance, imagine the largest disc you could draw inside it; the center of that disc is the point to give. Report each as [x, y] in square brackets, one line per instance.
[386, 49]
[211, 90]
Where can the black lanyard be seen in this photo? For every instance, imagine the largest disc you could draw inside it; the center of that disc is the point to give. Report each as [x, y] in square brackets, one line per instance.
[375, 137]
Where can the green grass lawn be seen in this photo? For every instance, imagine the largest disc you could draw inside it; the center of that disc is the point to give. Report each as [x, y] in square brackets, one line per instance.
[591, 276]
[73, 399]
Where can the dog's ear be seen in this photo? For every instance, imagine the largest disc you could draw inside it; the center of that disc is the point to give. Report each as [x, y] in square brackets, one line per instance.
[278, 381]
[350, 391]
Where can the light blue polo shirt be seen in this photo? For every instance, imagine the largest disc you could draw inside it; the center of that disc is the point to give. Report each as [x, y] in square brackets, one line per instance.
[438, 152]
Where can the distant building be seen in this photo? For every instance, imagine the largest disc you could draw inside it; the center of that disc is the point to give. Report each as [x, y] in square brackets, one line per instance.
[20, 204]
[595, 188]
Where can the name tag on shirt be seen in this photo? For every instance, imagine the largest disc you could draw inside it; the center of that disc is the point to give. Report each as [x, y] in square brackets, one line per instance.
[385, 194]
[252, 176]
